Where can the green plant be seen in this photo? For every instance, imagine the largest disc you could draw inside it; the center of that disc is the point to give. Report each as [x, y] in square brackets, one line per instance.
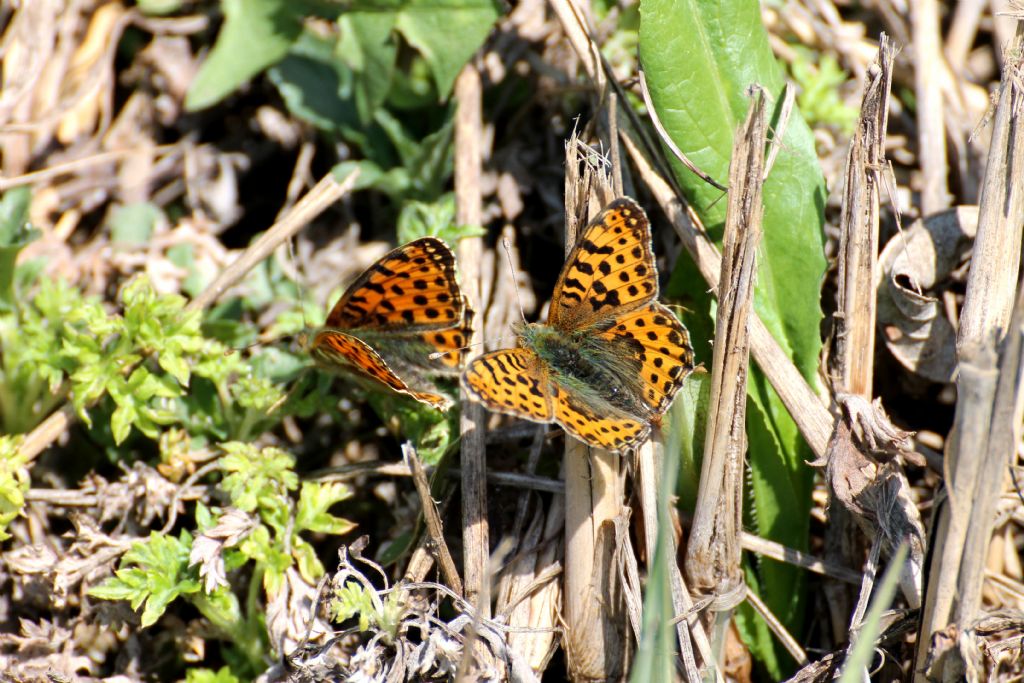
[263, 528]
[819, 97]
[14, 482]
[699, 92]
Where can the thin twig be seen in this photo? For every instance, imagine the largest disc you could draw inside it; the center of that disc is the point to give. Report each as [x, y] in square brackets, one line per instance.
[433, 521]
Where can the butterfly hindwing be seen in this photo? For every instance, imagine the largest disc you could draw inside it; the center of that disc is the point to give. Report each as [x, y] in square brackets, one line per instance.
[340, 350]
[412, 288]
[662, 345]
[511, 381]
[611, 267]
[602, 427]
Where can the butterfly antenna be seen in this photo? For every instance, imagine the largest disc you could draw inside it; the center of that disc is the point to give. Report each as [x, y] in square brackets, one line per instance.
[436, 355]
[512, 268]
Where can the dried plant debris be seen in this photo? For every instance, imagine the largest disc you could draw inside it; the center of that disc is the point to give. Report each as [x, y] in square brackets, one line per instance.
[919, 268]
[398, 634]
[991, 649]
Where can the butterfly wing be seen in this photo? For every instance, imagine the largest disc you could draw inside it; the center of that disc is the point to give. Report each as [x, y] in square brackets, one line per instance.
[660, 344]
[601, 426]
[610, 269]
[339, 350]
[411, 289]
[449, 344]
[511, 381]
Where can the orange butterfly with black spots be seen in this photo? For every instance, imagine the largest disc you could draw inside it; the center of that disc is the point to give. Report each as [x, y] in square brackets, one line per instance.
[610, 359]
[388, 323]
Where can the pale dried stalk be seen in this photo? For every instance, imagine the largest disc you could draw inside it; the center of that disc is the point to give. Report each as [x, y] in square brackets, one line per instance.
[977, 451]
[469, 210]
[325, 193]
[594, 629]
[993, 275]
[713, 552]
[931, 126]
[858, 242]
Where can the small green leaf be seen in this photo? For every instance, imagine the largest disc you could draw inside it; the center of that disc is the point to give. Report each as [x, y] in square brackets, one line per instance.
[369, 48]
[256, 34]
[315, 500]
[134, 224]
[14, 481]
[222, 675]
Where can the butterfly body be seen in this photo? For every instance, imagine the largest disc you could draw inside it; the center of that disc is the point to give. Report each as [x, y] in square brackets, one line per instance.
[388, 324]
[610, 359]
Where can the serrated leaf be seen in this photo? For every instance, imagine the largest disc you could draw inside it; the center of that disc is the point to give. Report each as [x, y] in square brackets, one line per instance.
[315, 500]
[256, 34]
[121, 421]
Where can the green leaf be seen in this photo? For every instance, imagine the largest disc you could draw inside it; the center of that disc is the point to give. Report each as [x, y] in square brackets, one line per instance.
[153, 573]
[699, 58]
[15, 235]
[222, 675]
[315, 501]
[14, 481]
[369, 48]
[317, 88]
[864, 640]
[256, 34]
[422, 219]
[446, 32]
[655, 657]
[134, 224]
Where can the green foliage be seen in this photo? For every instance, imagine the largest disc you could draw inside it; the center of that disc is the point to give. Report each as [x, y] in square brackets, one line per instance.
[356, 599]
[257, 34]
[864, 640]
[261, 481]
[14, 482]
[222, 675]
[819, 97]
[15, 235]
[699, 58]
[437, 219]
[153, 574]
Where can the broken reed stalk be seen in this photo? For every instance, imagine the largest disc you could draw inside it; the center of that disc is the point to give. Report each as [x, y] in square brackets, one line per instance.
[324, 194]
[713, 551]
[858, 240]
[469, 211]
[432, 520]
[594, 637]
[977, 454]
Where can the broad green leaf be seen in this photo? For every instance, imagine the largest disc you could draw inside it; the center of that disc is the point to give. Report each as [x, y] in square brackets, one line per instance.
[256, 34]
[446, 32]
[369, 48]
[699, 58]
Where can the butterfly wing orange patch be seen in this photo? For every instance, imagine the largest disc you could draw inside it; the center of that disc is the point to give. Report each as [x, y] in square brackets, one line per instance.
[607, 428]
[511, 381]
[336, 349]
[611, 268]
[450, 344]
[655, 337]
[412, 288]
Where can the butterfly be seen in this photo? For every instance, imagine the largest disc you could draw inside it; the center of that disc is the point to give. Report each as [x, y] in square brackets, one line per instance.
[610, 358]
[404, 318]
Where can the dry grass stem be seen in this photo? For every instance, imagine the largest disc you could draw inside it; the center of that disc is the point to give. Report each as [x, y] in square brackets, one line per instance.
[713, 552]
[468, 160]
[858, 243]
[931, 126]
[432, 519]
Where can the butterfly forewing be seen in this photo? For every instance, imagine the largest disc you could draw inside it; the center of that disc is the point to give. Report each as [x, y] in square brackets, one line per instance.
[449, 345]
[412, 288]
[610, 269]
